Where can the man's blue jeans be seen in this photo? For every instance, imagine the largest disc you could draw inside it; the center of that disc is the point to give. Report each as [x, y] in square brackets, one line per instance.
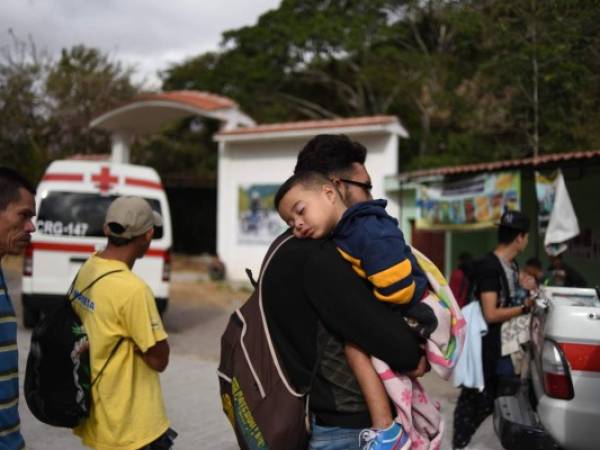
[334, 438]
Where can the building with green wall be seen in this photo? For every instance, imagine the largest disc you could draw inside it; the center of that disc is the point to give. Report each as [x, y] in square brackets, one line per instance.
[581, 171]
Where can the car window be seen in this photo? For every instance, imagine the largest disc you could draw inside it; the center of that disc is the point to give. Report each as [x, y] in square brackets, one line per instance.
[78, 214]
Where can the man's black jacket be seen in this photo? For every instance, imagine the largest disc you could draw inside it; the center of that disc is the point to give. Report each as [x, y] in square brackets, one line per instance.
[314, 302]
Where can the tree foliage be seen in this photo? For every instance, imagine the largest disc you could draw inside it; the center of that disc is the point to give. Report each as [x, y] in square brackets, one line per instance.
[472, 80]
[46, 105]
[80, 85]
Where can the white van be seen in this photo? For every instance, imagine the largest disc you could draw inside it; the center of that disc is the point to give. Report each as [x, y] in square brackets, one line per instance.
[72, 199]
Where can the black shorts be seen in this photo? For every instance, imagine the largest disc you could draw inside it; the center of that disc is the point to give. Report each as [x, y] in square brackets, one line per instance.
[163, 442]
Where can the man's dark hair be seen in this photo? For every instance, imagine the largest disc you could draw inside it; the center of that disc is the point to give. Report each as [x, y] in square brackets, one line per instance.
[116, 240]
[330, 154]
[10, 183]
[506, 235]
[309, 179]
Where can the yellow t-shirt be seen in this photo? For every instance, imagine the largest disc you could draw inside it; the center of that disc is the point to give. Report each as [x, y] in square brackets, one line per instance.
[127, 411]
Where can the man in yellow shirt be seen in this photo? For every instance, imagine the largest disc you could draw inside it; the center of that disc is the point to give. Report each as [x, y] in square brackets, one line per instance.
[126, 337]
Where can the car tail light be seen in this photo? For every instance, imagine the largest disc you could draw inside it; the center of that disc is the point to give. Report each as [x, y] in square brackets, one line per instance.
[166, 276]
[28, 261]
[557, 375]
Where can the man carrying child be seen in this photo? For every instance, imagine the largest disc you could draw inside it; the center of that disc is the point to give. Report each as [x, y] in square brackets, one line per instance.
[369, 239]
[310, 281]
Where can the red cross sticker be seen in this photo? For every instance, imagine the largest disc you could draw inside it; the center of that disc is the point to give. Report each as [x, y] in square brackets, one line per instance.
[104, 180]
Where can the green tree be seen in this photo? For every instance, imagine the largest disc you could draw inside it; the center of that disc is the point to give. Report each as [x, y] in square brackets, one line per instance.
[472, 80]
[184, 152]
[22, 108]
[46, 105]
[81, 84]
[543, 55]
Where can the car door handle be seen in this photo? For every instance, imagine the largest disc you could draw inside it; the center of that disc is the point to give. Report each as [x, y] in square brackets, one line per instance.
[594, 316]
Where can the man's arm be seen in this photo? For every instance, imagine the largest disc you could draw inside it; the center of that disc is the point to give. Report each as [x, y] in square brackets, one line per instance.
[493, 314]
[347, 307]
[143, 325]
[157, 356]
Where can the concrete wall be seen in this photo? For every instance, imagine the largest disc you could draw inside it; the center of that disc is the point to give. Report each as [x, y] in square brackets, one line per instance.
[271, 162]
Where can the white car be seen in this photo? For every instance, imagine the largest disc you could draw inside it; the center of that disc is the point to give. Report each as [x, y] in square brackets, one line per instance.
[560, 405]
[72, 199]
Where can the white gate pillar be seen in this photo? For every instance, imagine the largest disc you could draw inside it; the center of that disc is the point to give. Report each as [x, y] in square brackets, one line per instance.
[120, 141]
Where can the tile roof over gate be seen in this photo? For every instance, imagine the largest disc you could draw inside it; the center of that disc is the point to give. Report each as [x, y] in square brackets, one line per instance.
[350, 126]
[198, 99]
[313, 124]
[506, 164]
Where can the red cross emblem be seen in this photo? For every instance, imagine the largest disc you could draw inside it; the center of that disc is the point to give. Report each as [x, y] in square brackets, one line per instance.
[104, 180]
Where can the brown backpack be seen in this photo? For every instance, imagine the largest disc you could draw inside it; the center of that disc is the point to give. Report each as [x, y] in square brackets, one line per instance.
[266, 412]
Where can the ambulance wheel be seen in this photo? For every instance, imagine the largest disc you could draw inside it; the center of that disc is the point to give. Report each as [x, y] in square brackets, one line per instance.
[30, 317]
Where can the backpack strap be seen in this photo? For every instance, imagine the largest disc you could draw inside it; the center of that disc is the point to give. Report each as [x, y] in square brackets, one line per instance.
[70, 291]
[275, 246]
[113, 351]
[251, 278]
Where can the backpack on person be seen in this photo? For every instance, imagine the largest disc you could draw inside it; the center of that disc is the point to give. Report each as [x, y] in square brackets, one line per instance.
[58, 376]
[266, 412]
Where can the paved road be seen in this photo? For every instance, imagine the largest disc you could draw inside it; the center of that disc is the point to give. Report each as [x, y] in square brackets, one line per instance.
[191, 389]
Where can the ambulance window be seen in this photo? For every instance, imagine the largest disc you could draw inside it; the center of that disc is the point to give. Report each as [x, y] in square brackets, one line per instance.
[78, 214]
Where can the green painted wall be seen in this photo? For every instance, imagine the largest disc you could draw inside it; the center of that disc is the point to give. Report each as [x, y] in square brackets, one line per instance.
[583, 184]
[479, 242]
[408, 210]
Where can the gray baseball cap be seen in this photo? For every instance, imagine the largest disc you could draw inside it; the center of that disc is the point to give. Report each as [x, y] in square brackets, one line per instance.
[134, 215]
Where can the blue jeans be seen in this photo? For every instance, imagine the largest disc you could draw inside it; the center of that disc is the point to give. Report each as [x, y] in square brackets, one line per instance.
[334, 438]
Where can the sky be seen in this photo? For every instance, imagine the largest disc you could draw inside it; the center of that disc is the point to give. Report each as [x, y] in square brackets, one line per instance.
[146, 34]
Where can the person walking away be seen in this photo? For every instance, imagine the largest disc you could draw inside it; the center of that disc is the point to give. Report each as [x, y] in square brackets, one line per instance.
[17, 209]
[126, 335]
[496, 286]
[460, 283]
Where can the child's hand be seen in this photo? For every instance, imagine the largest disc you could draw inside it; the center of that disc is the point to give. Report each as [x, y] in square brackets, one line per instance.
[421, 369]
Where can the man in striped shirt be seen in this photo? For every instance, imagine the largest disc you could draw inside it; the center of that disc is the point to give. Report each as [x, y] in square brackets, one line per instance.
[17, 209]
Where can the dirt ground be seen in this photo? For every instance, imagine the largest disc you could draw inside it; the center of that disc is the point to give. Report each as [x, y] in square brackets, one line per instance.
[199, 309]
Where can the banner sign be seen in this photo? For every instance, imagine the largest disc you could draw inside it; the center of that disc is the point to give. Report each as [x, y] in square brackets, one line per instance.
[545, 188]
[258, 222]
[471, 203]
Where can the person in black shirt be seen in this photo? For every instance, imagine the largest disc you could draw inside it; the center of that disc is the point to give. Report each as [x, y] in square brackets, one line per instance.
[314, 303]
[496, 283]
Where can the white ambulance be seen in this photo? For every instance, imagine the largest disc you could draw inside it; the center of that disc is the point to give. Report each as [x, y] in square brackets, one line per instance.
[72, 199]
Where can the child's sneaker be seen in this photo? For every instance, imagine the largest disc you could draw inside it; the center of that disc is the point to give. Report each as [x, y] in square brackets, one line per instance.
[392, 438]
